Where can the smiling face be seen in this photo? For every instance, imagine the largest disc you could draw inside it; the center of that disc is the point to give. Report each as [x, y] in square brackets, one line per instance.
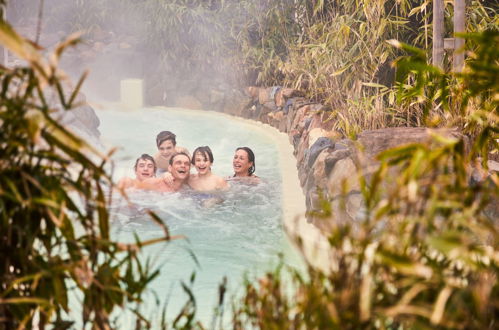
[241, 163]
[166, 148]
[180, 167]
[202, 163]
[144, 169]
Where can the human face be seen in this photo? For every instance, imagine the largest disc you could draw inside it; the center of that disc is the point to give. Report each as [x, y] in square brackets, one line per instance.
[166, 149]
[180, 167]
[241, 163]
[144, 169]
[202, 163]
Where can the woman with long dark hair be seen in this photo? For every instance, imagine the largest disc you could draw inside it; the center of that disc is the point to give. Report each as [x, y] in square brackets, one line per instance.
[244, 165]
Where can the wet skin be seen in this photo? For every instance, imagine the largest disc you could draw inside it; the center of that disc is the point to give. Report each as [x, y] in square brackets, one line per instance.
[179, 170]
[166, 149]
[204, 180]
[202, 164]
[180, 167]
[241, 163]
[144, 169]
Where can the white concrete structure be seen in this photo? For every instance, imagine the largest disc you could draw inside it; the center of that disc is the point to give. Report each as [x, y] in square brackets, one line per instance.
[132, 93]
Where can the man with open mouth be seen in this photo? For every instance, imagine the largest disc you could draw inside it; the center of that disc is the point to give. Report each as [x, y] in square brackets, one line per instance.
[179, 167]
[144, 168]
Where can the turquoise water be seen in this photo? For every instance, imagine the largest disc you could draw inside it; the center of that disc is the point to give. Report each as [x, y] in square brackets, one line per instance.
[240, 237]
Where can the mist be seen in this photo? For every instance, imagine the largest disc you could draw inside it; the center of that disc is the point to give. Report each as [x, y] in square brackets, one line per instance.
[183, 50]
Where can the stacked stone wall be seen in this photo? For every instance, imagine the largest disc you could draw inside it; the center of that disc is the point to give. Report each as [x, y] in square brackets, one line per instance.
[328, 164]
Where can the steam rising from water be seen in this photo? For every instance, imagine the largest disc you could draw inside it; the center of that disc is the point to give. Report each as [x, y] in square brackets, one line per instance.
[243, 234]
[176, 46]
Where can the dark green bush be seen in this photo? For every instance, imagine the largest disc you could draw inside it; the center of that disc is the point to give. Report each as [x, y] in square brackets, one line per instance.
[54, 219]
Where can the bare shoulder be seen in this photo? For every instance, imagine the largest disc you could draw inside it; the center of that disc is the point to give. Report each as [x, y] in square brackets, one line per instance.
[125, 182]
[150, 183]
[156, 156]
[153, 180]
[193, 177]
[221, 183]
[161, 162]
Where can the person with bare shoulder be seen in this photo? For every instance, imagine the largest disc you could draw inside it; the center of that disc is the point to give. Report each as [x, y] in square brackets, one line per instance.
[167, 146]
[145, 168]
[205, 180]
[206, 184]
[244, 166]
[179, 167]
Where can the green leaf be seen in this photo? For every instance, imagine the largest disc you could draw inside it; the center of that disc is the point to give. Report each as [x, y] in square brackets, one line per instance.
[16, 44]
[404, 264]
[447, 242]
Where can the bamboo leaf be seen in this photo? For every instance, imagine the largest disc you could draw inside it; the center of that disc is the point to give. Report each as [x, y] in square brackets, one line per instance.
[439, 308]
[404, 264]
[25, 300]
[16, 44]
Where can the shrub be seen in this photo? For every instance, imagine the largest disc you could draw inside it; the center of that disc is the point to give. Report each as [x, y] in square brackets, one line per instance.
[424, 255]
[54, 219]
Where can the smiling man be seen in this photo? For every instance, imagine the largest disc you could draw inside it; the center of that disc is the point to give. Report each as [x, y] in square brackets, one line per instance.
[179, 167]
[145, 168]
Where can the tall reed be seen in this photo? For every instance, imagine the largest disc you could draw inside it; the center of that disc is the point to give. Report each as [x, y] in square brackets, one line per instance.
[335, 52]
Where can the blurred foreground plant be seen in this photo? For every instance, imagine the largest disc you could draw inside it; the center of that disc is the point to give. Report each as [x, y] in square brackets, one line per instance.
[425, 253]
[54, 221]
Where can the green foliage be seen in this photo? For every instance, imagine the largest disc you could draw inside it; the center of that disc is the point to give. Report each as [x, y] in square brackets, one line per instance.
[336, 52]
[185, 38]
[54, 220]
[455, 99]
[262, 34]
[425, 254]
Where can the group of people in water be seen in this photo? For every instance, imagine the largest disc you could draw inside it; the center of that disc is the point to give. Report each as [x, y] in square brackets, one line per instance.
[169, 169]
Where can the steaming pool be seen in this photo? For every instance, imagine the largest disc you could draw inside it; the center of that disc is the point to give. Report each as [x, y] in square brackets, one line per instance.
[242, 236]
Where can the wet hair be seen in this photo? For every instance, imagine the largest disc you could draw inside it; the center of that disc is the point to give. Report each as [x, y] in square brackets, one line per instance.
[165, 136]
[251, 158]
[203, 151]
[176, 154]
[145, 157]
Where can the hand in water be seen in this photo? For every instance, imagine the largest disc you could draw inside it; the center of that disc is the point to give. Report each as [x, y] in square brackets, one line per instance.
[168, 179]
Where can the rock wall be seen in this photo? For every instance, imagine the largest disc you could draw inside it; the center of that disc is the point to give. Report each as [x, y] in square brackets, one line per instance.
[327, 163]
[81, 119]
